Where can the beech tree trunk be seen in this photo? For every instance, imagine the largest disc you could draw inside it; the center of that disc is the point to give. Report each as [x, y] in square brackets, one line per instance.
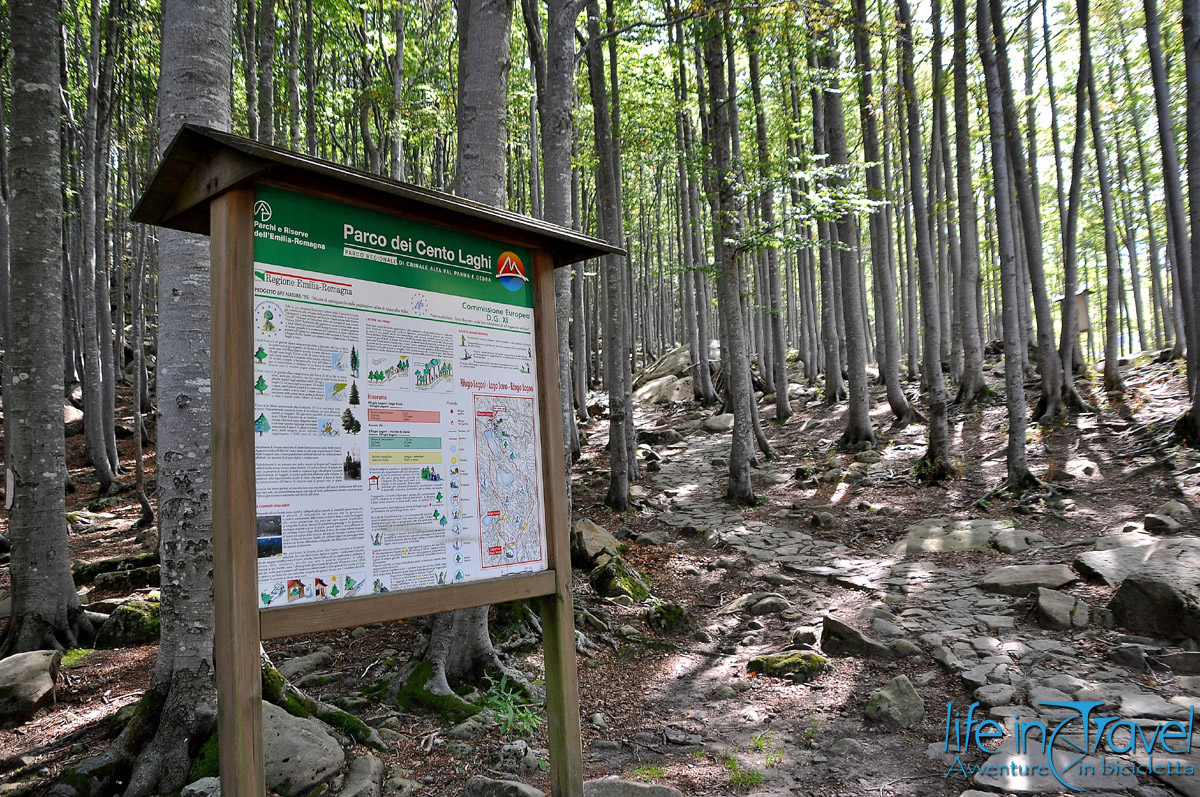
[1019, 476]
[935, 464]
[885, 284]
[734, 354]
[46, 612]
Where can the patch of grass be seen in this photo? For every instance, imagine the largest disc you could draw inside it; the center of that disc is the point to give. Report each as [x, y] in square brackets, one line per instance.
[742, 777]
[75, 655]
[763, 740]
[745, 778]
[516, 718]
[773, 759]
[699, 752]
[648, 772]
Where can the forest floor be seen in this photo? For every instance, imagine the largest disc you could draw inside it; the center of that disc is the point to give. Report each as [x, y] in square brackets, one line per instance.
[682, 709]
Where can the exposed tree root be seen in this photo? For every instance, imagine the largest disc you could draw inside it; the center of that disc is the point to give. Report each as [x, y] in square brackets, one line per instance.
[26, 632]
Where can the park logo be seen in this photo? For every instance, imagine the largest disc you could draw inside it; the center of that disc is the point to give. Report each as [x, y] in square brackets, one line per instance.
[262, 211]
[511, 271]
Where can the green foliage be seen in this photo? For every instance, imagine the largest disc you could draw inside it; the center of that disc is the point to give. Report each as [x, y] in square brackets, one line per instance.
[648, 772]
[806, 666]
[76, 655]
[739, 775]
[516, 718]
[208, 761]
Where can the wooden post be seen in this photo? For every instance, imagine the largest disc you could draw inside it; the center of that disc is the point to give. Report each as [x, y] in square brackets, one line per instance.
[558, 616]
[235, 557]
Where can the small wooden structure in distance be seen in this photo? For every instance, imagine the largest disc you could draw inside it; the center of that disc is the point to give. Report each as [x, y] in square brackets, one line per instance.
[205, 184]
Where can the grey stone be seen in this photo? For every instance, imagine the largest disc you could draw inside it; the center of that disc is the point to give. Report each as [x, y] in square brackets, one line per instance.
[896, 704]
[1160, 596]
[846, 747]
[516, 757]
[400, 786]
[718, 423]
[1130, 656]
[995, 695]
[303, 665]
[1178, 511]
[27, 684]
[841, 639]
[471, 728]
[1017, 540]
[298, 752]
[998, 772]
[1060, 611]
[1125, 539]
[745, 602]
[653, 538]
[824, 520]
[479, 786]
[1184, 661]
[1152, 706]
[1162, 524]
[1025, 579]
[205, 787]
[773, 604]
[935, 535]
[365, 778]
[131, 623]
[616, 787]
[1111, 566]
[589, 541]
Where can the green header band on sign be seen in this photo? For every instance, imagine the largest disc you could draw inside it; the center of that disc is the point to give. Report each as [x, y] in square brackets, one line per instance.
[334, 238]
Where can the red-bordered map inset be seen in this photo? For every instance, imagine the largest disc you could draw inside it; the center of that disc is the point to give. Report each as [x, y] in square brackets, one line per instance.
[506, 467]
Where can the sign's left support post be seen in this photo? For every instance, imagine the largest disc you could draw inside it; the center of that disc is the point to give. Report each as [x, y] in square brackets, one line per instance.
[235, 556]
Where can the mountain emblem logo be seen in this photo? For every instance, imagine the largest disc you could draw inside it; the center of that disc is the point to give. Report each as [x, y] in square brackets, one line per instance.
[511, 271]
[262, 210]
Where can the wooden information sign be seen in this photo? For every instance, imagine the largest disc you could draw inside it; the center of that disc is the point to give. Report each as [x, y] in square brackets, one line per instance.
[386, 433]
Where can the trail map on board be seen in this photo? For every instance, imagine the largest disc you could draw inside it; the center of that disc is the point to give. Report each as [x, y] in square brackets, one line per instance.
[397, 444]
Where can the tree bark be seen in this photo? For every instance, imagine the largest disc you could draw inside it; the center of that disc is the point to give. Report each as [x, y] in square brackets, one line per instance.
[885, 284]
[935, 464]
[1019, 476]
[971, 387]
[46, 612]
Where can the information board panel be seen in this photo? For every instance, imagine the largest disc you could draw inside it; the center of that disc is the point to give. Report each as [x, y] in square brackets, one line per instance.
[395, 404]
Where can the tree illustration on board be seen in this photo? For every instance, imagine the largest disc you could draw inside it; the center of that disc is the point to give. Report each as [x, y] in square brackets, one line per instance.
[261, 424]
[354, 360]
[261, 385]
[354, 392]
[350, 423]
[261, 354]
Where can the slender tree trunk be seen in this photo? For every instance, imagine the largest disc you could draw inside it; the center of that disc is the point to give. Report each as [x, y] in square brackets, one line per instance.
[1019, 475]
[610, 228]
[778, 342]
[46, 612]
[885, 287]
[1179, 249]
[266, 72]
[935, 464]
[971, 386]
[1051, 402]
[1112, 373]
[858, 417]
[734, 355]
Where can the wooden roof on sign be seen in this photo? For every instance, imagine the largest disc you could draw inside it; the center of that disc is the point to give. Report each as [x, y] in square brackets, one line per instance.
[201, 163]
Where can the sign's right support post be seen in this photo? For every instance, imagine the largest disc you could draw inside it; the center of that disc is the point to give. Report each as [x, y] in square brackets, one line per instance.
[558, 615]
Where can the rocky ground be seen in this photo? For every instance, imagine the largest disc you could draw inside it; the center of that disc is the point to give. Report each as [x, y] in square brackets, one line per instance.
[809, 645]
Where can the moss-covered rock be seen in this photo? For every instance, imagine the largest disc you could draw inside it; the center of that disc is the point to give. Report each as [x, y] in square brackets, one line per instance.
[614, 577]
[86, 572]
[668, 618]
[133, 623]
[803, 666]
[408, 691]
